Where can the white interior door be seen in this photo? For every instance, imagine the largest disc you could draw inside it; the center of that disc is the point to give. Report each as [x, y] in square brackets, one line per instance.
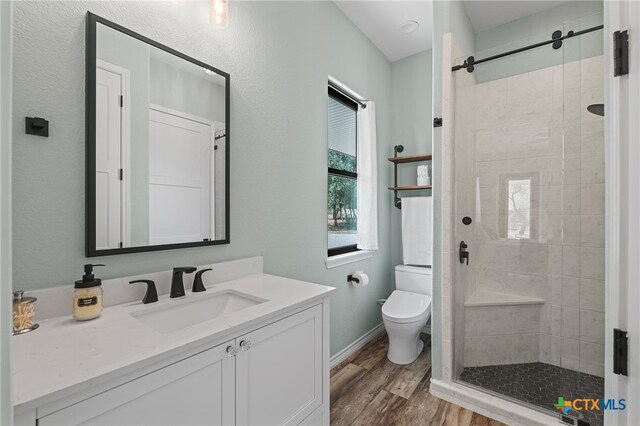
[109, 90]
[180, 177]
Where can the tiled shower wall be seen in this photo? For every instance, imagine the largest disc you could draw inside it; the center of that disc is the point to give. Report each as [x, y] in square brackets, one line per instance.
[532, 126]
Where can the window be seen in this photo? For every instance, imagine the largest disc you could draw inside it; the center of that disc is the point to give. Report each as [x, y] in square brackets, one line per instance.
[519, 205]
[518, 209]
[342, 209]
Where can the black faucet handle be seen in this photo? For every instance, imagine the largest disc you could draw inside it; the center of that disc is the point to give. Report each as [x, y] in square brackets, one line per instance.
[185, 269]
[151, 296]
[463, 253]
[198, 285]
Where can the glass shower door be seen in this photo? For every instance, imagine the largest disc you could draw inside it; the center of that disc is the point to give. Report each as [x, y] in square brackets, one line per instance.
[529, 170]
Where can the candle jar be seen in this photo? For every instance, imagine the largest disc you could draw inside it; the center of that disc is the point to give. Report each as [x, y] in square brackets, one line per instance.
[87, 303]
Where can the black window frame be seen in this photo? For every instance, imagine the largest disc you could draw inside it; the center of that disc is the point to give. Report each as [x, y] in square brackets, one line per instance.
[351, 104]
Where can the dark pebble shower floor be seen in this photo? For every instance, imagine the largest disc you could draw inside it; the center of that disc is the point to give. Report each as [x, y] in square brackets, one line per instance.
[539, 384]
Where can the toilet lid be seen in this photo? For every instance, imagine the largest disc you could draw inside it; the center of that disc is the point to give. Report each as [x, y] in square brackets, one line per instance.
[403, 306]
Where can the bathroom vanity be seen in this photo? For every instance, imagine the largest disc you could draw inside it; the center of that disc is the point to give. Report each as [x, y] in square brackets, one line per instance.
[251, 350]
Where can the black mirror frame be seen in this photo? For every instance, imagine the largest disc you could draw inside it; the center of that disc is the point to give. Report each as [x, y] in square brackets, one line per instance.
[90, 126]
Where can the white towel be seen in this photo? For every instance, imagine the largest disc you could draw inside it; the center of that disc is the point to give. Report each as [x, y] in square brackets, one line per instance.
[417, 218]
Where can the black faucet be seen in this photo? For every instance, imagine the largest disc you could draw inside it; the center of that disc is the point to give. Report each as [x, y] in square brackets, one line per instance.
[198, 285]
[177, 285]
[151, 296]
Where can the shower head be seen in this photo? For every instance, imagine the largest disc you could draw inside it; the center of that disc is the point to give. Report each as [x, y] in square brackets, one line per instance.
[597, 109]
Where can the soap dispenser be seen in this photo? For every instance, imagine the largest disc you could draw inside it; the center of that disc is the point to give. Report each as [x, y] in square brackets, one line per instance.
[87, 298]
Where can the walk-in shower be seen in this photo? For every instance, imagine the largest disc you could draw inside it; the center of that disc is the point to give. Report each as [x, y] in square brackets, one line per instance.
[528, 160]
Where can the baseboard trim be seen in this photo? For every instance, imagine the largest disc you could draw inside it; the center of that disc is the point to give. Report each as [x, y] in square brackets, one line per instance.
[490, 406]
[357, 344]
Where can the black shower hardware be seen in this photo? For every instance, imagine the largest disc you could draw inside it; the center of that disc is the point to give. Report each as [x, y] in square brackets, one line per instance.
[556, 41]
[464, 254]
[198, 285]
[466, 220]
[597, 109]
[151, 296]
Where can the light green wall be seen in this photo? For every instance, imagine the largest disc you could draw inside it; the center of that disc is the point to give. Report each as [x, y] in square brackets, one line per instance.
[411, 123]
[279, 55]
[411, 102]
[575, 16]
[183, 91]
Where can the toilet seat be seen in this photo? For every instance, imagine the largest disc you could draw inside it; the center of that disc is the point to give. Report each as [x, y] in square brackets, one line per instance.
[406, 307]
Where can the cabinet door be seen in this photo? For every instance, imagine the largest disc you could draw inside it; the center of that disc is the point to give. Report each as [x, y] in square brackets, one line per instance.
[199, 390]
[279, 371]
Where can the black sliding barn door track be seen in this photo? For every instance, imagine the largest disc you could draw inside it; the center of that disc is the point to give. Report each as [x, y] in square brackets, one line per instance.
[556, 42]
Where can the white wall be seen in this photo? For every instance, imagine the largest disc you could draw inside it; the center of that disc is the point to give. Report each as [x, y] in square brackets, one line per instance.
[6, 411]
[279, 55]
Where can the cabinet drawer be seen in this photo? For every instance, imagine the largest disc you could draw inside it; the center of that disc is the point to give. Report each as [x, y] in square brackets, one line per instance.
[199, 390]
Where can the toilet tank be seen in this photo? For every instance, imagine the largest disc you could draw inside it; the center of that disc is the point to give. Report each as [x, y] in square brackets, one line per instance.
[416, 279]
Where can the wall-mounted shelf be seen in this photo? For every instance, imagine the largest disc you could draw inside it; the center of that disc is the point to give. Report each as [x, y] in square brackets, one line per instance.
[410, 158]
[401, 159]
[408, 188]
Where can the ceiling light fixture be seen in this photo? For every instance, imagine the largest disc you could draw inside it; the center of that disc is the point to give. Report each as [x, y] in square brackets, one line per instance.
[209, 72]
[219, 13]
[408, 27]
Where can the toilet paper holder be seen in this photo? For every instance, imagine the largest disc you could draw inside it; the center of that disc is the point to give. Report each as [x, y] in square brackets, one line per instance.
[351, 278]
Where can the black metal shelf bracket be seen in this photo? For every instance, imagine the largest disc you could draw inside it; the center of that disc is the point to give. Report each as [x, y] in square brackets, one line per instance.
[396, 200]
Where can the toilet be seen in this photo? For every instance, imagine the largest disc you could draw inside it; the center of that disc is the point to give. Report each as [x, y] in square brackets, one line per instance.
[406, 312]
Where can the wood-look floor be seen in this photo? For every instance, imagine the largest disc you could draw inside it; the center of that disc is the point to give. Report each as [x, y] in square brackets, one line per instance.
[368, 389]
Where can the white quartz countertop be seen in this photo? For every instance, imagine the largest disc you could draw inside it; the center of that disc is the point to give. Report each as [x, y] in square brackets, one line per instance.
[65, 356]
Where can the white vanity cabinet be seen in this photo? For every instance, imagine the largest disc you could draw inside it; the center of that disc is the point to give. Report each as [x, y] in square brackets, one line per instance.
[272, 375]
[279, 371]
[198, 390]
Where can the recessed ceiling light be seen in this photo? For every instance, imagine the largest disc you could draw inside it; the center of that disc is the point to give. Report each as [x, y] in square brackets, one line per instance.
[409, 26]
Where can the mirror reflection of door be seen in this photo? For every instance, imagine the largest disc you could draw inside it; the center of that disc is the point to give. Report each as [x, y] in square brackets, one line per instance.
[161, 146]
[111, 138]
[181, 176]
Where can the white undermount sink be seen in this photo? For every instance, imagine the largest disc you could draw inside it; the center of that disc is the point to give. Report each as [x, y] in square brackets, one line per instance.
[179, 314]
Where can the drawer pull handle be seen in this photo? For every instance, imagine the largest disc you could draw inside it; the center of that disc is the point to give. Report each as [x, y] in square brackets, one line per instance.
[245, 345]
[232, 351]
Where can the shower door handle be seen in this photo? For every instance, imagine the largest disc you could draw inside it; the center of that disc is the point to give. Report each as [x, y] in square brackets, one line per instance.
[464, 254]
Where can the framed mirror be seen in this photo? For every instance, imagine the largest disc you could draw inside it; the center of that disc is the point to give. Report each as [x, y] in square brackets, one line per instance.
[157, 145]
